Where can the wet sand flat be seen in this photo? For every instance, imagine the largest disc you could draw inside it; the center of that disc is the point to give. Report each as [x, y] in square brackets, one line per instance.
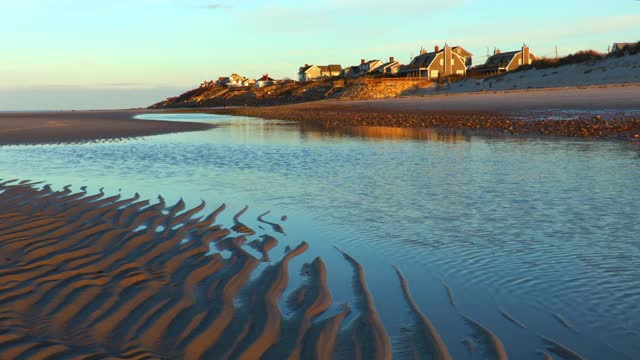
[601, 112]
[96, 276]
[67, 126]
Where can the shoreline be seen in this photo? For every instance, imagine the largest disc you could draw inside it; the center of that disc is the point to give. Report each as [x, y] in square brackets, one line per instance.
[25, 128]
[596, 112]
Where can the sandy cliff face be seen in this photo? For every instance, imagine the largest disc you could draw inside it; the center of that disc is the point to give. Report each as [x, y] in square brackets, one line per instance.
[288, 93]
[219, 96]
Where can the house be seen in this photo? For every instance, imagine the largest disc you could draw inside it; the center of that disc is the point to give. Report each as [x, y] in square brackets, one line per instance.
[330, 70]
[439, 64]
[468, 57]
[222, 81]
[621, 47]
[249, 82]
[507, 61]
[390, 68]
[315, 72]
[265, 80]
[235, 80]
[369, 66]
[207, 84]
[350, 72]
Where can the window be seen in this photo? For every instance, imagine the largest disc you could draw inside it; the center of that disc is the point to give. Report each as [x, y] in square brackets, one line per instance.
[519, 61]
[459, 72]
[434, 74]
[441, 62]
[453, 62]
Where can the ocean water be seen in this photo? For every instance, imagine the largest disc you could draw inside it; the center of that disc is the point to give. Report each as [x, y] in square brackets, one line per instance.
[546, 231]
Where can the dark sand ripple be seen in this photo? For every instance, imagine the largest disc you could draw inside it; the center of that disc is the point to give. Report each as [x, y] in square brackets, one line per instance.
[91, 276]
[95, 277]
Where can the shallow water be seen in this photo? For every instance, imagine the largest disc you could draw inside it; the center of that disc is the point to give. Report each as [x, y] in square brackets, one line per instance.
[544, 230]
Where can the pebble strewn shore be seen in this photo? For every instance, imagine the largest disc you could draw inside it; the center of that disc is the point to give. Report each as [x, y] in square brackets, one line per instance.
[335, 115]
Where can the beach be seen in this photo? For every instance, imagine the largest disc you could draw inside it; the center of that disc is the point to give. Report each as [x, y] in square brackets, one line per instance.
[592, 112]
[92, 275]
[79, 126]
[388, 257]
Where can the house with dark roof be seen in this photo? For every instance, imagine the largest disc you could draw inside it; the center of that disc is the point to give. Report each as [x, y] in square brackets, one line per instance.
[369, 66]
[350, 72]
[315, 72]
[389, 68]
[620, 47]
[507, 61]
[265, 80]
[439, 64]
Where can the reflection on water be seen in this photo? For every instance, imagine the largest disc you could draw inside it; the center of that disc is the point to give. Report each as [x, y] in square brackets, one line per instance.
[544, 231]
[389, 133]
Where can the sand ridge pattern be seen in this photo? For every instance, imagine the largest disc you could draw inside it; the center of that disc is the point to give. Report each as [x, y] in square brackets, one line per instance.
[101, 277]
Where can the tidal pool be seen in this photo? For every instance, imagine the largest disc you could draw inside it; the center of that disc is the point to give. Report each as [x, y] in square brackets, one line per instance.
[543, 232]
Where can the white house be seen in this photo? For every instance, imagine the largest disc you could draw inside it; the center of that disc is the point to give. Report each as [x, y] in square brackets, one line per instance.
[315, 72]
[235, 80]
[249, 82]
[390, 68]
[265, 80]
[369, 66]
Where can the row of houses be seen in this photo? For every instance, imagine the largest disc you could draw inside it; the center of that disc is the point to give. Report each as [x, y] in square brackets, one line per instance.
[437, 64]
[239, 81]
[441, 63]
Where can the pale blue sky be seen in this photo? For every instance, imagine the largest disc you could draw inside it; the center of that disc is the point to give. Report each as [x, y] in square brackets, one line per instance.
[123, 53]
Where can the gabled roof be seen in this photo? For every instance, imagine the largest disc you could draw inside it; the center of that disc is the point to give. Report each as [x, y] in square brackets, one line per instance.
[371, 62]
[620, 46]
[266, 78]
[461, 51]
[389, 64]
[424, 60]
[304, 69]
[335, 68]
[502, 58]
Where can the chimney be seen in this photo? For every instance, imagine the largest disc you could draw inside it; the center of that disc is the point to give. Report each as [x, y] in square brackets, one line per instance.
[306, 65]
[392, 59]
[437, 48]
[496, 52]
[362, 61]
[423, 51]
[525, 55]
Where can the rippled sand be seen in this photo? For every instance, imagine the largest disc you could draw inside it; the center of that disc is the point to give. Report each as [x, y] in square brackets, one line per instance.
[95, 276]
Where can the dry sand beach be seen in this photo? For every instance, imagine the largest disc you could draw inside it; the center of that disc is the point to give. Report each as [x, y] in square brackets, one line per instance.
[68, 126]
